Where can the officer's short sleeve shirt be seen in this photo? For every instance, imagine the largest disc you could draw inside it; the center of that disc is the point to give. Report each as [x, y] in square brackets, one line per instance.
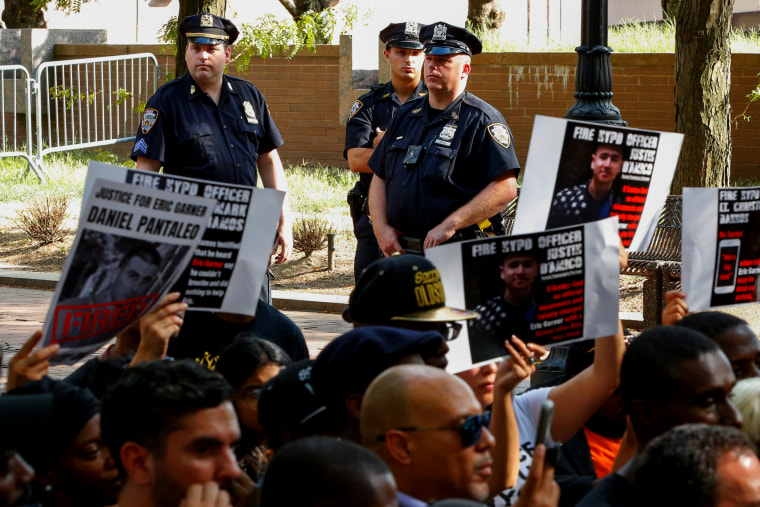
[192, 136]
[458, 153]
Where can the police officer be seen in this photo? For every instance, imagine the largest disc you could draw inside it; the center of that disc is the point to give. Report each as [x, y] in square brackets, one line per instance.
[447, 162]
[208, 125]
[370, 116]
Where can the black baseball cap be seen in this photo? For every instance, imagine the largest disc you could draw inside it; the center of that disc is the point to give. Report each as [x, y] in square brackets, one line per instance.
[444, 39]
[208, 28]
[350, 362]
[288, 402]
[402, 35]
[401, 287]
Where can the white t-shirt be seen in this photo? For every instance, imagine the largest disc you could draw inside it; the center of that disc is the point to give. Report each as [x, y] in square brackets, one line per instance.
[527, 412]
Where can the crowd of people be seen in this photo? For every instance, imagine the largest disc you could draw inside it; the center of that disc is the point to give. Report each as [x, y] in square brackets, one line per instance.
[207, 409]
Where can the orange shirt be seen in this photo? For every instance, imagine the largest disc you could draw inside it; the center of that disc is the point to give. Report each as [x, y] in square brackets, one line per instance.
[603, 451]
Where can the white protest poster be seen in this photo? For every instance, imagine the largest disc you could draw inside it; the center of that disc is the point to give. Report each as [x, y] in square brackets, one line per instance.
[550, 287]
[131, 245]
[721, 246]
[228, 268]
[577, 172]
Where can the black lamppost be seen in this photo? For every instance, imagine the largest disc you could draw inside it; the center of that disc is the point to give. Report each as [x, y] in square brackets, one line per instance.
[593, 76]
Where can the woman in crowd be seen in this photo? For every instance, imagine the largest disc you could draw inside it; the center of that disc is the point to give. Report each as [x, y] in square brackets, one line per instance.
[73, 466]
[247, 363]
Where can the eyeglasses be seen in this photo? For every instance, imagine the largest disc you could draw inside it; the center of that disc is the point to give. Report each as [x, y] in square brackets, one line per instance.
[250, 397]
[470, 431]
[449, 330]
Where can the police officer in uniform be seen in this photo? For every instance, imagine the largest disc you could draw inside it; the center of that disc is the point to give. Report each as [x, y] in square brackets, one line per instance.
[208, 125]
[447, 162]
[370, 116]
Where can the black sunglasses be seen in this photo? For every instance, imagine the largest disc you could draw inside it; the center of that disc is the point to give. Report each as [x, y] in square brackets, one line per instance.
[470, 431]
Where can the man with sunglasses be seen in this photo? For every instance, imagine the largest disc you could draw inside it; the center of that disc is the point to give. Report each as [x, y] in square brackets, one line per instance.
[429, 428]
[405, 291]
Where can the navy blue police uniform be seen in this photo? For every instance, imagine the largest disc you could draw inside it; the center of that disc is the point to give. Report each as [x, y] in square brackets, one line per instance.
[184, 129]
[434, 162]
[191, 135]
[370, 111]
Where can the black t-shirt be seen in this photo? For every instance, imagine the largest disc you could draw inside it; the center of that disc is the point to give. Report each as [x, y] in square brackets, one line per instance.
[204, 335]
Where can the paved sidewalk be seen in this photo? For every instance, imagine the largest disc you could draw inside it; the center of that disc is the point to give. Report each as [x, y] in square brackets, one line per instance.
[22, 311]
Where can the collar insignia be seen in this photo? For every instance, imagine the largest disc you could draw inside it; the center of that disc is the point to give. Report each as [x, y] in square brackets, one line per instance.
[192, 89]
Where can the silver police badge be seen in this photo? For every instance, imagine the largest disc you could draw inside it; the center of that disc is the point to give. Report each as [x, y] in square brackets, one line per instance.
[411, 29]
[446, 135]
[250, 114]
[439, 32]
[500, 134]
[355, 108]
[207, 20]
[148, 120]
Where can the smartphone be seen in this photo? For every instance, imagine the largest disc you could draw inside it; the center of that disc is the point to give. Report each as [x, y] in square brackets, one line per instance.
[726, 266]
[545, 422]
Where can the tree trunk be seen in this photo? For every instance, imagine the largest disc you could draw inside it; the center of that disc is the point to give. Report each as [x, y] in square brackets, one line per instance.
[297, 7]
[670, 9]
[486, 15]
[21, 14]
[703, 80]
[189, 8]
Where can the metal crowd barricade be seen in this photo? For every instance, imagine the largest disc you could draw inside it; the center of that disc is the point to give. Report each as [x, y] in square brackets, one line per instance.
[16, 135]
[91, 102]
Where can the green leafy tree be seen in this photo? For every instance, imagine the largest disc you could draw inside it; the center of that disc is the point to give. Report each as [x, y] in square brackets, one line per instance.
[30, 14]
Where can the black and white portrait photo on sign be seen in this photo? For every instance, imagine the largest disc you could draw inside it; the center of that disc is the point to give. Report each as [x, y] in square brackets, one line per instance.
[131, 245]
[578, 172]
[219, 277]
[556, 286]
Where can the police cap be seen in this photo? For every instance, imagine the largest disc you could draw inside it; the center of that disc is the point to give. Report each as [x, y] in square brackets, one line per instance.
[444, 39]
[208, 28]
[402, 35]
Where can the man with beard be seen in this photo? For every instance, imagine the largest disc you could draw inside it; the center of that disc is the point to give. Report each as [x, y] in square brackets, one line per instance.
[171, 429]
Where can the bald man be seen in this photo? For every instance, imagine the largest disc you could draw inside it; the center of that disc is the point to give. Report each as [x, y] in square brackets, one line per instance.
[428, 427]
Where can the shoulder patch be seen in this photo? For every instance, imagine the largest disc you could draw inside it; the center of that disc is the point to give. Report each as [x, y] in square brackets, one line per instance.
[148, 120]
[355, 108]
[500, 133]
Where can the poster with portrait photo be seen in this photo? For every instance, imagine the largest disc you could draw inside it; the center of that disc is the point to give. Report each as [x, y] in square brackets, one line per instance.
[721, 246]
[219, 277]
[596, 171]
[125, 257]
[550, 287]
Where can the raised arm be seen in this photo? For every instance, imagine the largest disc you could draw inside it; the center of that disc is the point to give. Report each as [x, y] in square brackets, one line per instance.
[576, 400]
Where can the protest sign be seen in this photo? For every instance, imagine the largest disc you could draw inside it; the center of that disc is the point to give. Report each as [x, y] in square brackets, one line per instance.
[130, 246]
[245, 219]
[549, 287]
[577, 172]
[721, 246]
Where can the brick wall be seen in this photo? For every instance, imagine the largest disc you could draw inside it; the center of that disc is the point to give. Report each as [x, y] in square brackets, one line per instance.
[304, 95]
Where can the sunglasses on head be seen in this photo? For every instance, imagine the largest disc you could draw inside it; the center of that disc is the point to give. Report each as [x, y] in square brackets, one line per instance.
[469, 431]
